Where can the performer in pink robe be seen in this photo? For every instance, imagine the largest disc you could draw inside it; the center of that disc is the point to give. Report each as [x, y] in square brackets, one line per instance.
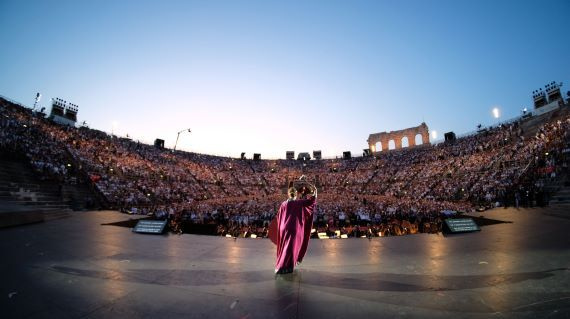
[294, 222]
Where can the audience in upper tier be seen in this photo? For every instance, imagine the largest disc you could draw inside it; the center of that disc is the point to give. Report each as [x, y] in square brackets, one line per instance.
[499, 165]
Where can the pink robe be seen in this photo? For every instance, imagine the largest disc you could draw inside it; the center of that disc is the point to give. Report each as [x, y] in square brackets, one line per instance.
[294, 222]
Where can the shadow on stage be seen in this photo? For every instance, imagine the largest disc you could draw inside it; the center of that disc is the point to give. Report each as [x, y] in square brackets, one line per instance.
[357, 281]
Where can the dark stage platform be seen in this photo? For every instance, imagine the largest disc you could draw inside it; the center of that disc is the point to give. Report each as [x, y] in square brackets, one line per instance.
[77, 268]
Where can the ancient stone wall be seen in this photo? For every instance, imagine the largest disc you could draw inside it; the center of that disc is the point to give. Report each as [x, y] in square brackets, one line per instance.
[384, 138]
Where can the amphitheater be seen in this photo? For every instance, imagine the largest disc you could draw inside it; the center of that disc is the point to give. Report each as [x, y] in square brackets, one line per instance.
[63, 189]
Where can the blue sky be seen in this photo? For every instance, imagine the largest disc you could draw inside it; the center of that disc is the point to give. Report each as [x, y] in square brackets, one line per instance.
[272, 76]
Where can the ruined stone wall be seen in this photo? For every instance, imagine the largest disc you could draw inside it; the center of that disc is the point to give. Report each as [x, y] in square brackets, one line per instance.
[385, 137]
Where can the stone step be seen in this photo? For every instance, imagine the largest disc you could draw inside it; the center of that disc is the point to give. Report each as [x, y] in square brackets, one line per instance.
[18, 194]
[32, 200]
[564, 191]
[36, 204]
[45, 189]
[9, 168]
[17, 177]
[24, 191]
[11, 203]
[562, 195]
[30, 186]
[31, 195]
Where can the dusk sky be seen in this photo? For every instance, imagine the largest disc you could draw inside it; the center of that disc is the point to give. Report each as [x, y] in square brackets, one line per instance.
[272, 76]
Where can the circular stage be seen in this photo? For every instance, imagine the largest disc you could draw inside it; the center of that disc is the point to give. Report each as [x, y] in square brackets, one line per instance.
[77, 268]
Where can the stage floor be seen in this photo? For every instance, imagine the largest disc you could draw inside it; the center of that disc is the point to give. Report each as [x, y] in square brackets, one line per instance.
[77, 268]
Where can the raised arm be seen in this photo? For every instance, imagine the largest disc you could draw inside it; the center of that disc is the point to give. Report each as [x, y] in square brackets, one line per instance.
[313, 189]
[312, 186]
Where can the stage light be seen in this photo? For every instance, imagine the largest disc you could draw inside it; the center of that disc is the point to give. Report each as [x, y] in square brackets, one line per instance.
[253, 236]
[68, 165]
[546, 153]
[323, 236]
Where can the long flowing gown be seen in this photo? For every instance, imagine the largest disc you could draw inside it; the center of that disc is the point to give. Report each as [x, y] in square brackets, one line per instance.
[294, 222]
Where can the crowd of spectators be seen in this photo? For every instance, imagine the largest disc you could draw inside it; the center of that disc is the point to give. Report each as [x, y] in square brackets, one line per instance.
[395, 192]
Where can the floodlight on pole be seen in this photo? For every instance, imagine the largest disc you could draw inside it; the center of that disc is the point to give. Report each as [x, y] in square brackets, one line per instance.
[114, 126]
[178, 136]
[496, 113]
[38, 98]
[434, 134]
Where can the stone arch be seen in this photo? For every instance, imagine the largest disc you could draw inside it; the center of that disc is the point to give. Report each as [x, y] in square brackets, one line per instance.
[378, 147]
[405, 142]
[418, 139]
[399, 138]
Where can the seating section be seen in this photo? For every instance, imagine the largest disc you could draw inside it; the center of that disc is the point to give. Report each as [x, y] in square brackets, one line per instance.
[500, 165]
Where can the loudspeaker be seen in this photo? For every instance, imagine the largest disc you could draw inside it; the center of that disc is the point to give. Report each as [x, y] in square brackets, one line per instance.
[158, 143]
[366, 152]
[303, 156]
[346, 155]
[449, 137]
[317, 155]
[290, 155]
[242, 155]
[256, 156]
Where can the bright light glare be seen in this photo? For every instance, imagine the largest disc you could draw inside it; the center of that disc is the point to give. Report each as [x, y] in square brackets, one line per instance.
[496, 113]
[434, 134]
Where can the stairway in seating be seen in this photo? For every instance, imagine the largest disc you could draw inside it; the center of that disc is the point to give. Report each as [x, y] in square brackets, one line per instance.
[530, 126]
[562, 194]
[24, 198]
[559, 204]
